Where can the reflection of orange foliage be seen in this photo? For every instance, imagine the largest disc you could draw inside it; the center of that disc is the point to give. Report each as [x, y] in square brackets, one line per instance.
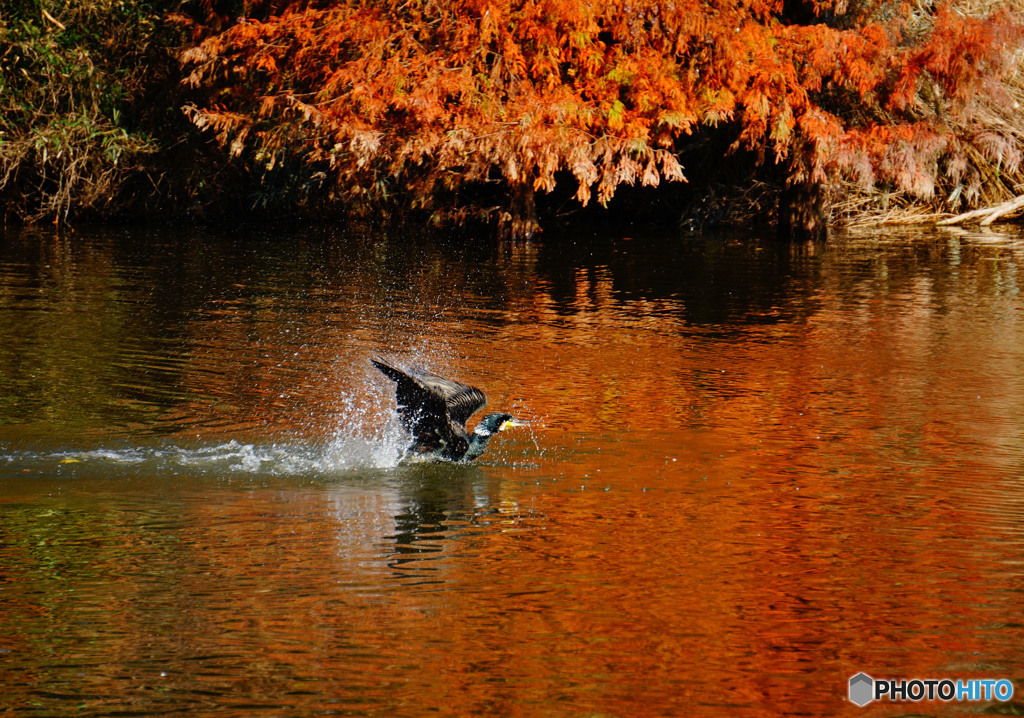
[799, 500]
[742, 514]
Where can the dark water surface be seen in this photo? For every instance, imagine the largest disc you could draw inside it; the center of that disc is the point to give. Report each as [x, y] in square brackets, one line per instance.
[751, 474]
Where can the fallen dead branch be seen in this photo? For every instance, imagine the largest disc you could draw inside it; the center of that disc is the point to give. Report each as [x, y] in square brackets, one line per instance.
[988, 215]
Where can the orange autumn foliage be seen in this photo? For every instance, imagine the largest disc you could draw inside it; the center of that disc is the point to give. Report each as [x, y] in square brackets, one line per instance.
[421, 98]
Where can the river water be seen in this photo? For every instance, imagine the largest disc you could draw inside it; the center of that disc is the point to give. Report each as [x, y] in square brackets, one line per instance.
[752, 472]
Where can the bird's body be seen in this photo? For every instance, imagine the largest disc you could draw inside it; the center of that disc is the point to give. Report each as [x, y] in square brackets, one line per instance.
[435, 410]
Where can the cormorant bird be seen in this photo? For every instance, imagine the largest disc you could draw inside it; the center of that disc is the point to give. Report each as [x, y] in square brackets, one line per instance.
[434, 410]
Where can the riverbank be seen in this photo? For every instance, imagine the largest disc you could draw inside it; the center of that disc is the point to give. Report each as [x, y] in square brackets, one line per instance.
[211, 112]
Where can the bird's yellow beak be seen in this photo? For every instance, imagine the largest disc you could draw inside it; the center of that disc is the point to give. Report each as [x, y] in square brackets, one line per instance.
[508, 423]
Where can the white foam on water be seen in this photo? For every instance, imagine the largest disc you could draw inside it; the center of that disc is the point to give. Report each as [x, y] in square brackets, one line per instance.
[231, 458]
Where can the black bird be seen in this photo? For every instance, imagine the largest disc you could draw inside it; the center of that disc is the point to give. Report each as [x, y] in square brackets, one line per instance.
[434, 410]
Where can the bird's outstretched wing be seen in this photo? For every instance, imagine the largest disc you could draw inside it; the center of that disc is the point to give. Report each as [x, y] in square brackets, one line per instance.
[433, 409]
[460, 400]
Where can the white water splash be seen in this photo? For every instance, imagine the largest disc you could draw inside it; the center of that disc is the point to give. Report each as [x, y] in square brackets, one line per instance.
[369, 434]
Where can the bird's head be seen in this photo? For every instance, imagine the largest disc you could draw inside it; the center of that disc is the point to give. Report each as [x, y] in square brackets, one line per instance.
[493, 423]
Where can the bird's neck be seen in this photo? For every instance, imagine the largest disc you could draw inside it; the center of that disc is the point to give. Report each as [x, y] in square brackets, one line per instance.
[477, 443]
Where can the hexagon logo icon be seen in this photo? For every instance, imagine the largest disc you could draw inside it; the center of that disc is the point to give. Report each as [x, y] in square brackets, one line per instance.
[861, 689]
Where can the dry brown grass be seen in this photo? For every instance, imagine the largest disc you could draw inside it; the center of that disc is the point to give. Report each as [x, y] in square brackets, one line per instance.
[985, 166]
